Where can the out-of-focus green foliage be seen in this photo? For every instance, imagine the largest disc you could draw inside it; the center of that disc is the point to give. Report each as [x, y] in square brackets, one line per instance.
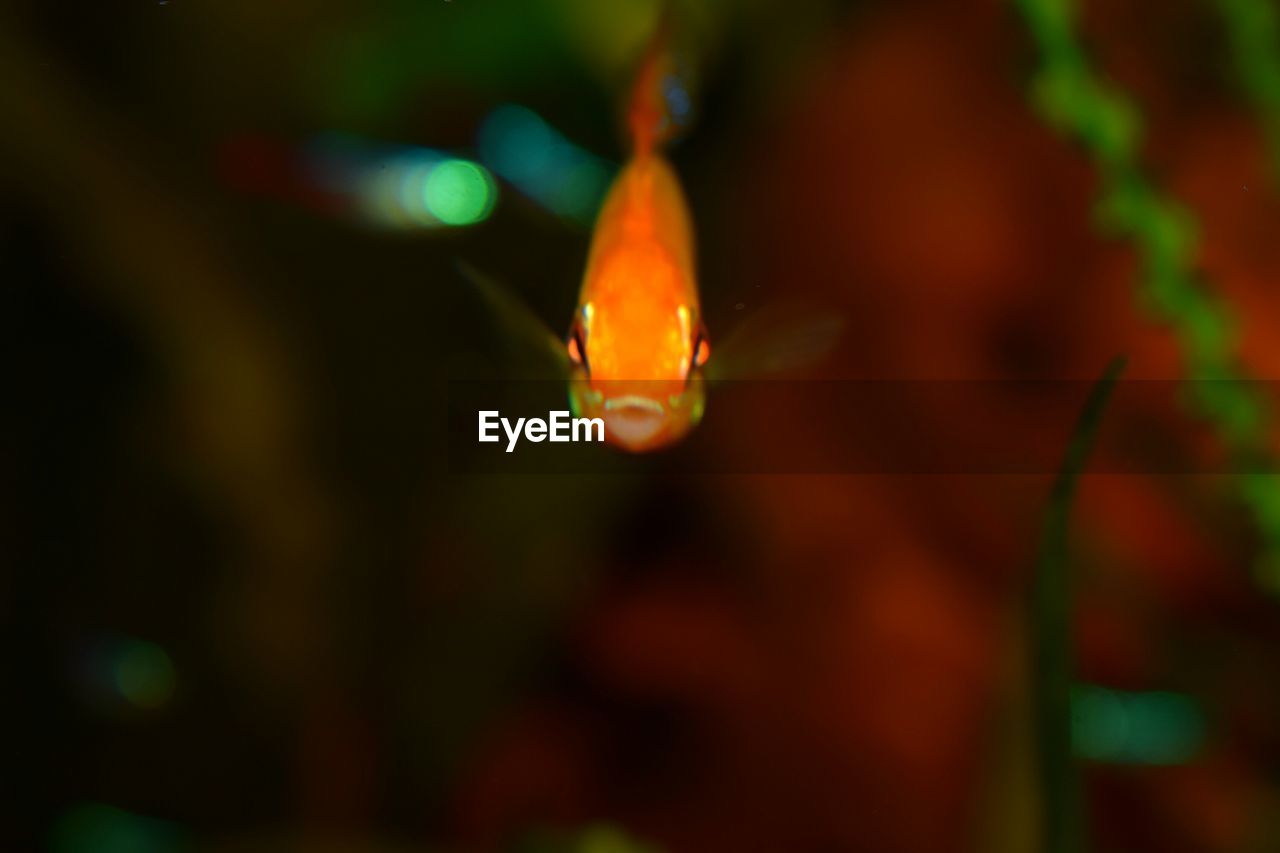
[1253, 28]
[1073, 97]
[378, 68]
[100, 828]
[377, 71]
[599, 838]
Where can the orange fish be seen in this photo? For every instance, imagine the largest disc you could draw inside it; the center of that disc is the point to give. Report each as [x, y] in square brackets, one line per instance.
[637, 346]
[637, 341]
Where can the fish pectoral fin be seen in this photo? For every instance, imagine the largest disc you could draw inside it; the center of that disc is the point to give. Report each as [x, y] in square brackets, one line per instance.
[780, 338]
[537, 351]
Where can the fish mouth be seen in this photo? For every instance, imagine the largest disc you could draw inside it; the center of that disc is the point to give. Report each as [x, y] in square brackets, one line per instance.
[634, 401]
[634, 420]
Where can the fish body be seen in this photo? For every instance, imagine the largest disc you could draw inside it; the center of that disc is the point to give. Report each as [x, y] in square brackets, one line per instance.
[637, 341]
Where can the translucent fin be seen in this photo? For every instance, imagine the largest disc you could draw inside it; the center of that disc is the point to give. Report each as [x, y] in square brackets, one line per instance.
[660, 105]
[536, 352]
[776, 340]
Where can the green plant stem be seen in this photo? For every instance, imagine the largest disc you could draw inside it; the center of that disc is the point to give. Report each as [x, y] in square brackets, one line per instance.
[1051, 635]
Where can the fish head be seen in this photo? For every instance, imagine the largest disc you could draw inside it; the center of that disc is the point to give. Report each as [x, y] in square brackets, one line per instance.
[638, 367]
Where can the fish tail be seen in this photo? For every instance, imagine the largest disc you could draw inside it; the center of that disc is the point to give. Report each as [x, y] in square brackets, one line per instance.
[659, 102]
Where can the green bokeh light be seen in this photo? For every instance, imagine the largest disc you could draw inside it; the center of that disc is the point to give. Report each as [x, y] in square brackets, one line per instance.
[459, 192]
[144, 674]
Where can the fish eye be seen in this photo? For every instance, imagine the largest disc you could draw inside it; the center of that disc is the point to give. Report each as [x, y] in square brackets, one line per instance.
[700, 352]
[701, 349]
[577, 347]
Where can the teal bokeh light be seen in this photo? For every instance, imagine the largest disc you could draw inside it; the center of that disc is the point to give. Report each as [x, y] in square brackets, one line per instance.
[100, 828]
[568, 180]
[1154, 728]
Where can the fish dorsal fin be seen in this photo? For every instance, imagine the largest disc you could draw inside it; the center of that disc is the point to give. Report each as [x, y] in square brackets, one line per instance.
[659, 106]
[537, 352]
[779, 339]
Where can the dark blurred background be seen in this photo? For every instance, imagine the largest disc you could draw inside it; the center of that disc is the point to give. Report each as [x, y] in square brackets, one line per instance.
[249, 608]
